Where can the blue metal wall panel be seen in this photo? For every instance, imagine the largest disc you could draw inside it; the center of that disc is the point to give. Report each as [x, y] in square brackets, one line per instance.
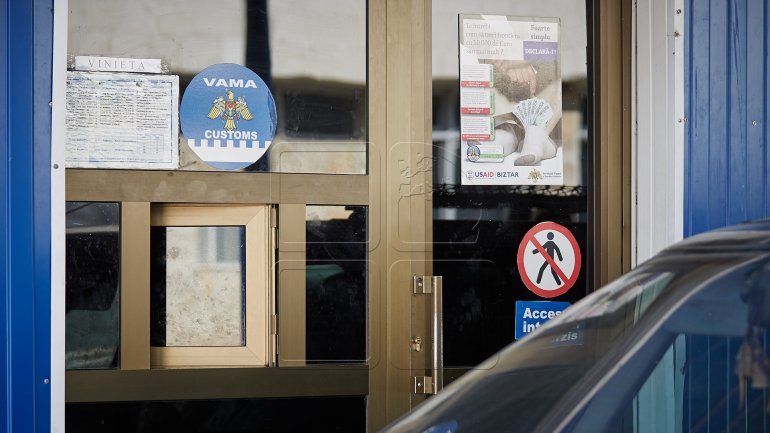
[726, 168]
[756, 99]
[4, 366]
[18, 208]
[726, 96]
[736, 109]
[25, 264]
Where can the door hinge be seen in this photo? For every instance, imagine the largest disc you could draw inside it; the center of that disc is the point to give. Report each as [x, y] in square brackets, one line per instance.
[273, 216]
[425, 284]
[274, 227]
[424, 385]
[274, 340]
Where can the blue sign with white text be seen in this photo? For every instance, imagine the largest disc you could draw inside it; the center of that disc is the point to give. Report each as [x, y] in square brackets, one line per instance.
[444, 427]
[531, 315]
[228, 116]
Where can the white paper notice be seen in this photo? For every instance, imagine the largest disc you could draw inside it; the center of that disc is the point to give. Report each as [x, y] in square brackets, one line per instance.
[476, 76]
[122, 121]
[477, 128]
[476, 101]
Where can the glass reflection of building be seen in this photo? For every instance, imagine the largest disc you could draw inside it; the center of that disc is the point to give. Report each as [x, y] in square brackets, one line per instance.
[311, 54]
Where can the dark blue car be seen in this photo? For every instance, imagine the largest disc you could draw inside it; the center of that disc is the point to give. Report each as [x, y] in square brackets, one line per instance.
[679, 345]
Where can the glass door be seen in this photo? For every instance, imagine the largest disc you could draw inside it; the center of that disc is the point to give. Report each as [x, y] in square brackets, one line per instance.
[535, 55]
[516, 204]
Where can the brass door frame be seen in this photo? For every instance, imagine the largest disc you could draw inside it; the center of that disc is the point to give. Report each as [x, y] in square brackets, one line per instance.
[258, 349]
[405, 170]
[610, 137]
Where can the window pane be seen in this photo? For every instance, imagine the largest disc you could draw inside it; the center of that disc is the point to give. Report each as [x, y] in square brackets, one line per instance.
[198, 286]
[710, 359]
[694, 387]
[336, 284]
[93, 285]
[312, 56]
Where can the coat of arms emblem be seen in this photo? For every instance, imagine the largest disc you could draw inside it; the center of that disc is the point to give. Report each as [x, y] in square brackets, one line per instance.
[230, 110]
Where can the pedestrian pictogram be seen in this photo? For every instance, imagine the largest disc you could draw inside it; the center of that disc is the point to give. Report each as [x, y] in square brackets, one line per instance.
[548, 260]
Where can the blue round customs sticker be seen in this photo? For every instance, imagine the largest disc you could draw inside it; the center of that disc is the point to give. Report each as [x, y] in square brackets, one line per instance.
[227, 116]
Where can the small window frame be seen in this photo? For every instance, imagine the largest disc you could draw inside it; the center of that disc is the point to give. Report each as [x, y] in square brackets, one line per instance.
[257, 352]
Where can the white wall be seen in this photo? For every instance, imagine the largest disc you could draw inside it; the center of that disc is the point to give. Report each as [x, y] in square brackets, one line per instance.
[658, 116]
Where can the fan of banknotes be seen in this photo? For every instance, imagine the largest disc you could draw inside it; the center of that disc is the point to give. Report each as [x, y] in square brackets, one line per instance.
[533, 112]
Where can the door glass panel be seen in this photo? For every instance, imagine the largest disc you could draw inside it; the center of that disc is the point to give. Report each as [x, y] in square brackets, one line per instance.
[337, 414]
[336, 284]
[477, 229]
[311, 55]
[198, 286]
[92, 285]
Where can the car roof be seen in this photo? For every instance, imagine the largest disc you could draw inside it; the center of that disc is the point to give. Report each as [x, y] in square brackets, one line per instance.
[748, 236]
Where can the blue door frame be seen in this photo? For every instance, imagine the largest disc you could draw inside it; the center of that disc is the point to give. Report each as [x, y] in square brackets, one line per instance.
[26, 48]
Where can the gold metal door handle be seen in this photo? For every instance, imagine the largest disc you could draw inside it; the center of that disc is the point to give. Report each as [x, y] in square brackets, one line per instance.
[434, 383]
[438, 336]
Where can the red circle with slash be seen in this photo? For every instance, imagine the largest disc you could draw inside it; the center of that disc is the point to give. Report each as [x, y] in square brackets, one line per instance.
[566, 281]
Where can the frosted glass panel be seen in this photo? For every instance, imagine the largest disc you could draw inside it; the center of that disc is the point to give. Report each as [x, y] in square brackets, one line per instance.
[198, 286]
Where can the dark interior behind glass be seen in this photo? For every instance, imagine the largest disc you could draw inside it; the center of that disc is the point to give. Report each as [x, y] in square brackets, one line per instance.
[290, 415]
[92, 285]
[336, 284]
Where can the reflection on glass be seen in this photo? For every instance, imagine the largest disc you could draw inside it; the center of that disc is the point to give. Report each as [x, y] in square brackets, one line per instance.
[93, 285]
[477, 229]
[198, 286]
[312, 55]
[336, 284]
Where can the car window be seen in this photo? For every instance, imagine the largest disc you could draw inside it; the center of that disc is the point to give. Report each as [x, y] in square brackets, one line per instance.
[712, 375]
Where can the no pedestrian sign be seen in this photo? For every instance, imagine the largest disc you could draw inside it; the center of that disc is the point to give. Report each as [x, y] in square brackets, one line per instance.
[548, 260]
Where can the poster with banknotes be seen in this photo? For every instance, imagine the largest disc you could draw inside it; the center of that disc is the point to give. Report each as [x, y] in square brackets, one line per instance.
[510, 100]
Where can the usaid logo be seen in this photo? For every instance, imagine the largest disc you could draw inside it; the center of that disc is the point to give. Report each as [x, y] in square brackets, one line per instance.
[228, 116]
[483, 174]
